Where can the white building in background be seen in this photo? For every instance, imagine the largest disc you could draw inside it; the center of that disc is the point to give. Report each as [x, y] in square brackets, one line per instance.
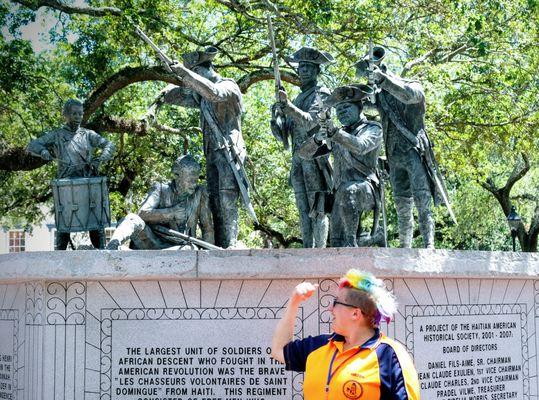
[41, 237]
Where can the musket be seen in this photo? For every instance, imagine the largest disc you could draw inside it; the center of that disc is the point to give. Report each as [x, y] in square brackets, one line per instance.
[167, 62]
[433, 171]
[383, 177]
[182, 237]
[241, 176]
[324, 120]
[279, 120]
[233, 160]
[276, 72]
[372, 97]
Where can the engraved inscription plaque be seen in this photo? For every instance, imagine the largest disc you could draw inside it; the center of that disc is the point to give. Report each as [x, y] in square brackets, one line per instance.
[7, 343]
[194, 354]
[471, 353]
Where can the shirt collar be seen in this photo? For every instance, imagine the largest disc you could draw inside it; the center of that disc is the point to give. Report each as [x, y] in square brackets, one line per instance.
[69, 130]
[338, 340]
[362, 120]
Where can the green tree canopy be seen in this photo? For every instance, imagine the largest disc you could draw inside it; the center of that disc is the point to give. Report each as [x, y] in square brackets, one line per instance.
[478, 62]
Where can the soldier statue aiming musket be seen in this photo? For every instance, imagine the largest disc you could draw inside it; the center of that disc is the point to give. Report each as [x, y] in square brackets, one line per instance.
[220, 103]
[355, 148]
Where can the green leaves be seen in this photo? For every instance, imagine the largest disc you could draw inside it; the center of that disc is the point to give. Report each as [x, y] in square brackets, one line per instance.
[478, 62]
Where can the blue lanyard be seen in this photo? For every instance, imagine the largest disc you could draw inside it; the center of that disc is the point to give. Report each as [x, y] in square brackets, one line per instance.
[332, 374]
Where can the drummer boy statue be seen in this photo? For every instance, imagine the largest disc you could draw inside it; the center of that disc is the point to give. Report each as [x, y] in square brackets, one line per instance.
[73, 149]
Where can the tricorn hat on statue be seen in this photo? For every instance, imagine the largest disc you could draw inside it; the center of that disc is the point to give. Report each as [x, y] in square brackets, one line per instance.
[308, 54]
[194, 58]
[348, 94]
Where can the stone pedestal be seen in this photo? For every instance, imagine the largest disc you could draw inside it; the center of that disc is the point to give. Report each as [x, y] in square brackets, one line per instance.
[90, 325]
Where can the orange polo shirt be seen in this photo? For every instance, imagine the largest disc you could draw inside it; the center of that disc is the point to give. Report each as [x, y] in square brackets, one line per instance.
[379, 369]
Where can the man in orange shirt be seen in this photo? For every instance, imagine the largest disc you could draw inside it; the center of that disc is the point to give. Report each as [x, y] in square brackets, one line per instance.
[357, 361]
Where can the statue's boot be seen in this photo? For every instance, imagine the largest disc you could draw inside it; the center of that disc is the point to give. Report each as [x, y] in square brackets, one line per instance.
[320, 230]
[425, 219]
[229, 218]
[404, 206]
[62, 240]
[98, 238]
[130, 225]
[305, 221]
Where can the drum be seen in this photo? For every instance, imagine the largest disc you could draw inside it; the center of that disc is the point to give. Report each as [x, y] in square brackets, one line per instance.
[81, 204]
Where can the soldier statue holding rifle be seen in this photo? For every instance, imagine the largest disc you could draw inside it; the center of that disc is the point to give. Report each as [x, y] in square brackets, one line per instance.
[298, 121]
[220, 103]
[171, 214]
[414, 174]
[355, 147]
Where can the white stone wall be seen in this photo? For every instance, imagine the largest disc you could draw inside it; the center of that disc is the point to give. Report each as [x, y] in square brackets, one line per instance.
[72, 322]
[40, 239]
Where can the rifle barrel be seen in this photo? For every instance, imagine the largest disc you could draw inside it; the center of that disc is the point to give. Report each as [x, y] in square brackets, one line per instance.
[162, 56]
[187, 238]
[276, 72]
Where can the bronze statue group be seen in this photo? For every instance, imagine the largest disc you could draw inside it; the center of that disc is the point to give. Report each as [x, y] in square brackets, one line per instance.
[332, 195]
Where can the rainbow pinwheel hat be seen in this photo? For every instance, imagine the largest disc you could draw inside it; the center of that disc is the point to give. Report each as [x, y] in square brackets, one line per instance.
[367, 282]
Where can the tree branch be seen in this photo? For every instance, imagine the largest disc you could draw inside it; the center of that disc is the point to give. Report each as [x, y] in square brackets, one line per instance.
[527, 240]
[120, 80]
[18, 159]
[285, 242]
[412, 63]
[246, 81]
[70, 9]
[517, 174]
[112, 124]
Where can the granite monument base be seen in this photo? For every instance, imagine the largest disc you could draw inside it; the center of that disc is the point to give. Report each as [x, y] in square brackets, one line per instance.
[135, 325]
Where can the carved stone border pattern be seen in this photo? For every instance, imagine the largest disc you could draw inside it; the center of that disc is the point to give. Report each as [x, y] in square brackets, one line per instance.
[326, 293]
[13, 315]
[33, 307]
[139, 314]
[536, 287]
[66, 303]
[474, 309]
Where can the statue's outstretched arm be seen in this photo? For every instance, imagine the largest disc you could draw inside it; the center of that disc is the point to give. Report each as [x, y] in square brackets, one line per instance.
[214, 92]
[408, 92]
[308, 119]
[39, 147]
[369, 140]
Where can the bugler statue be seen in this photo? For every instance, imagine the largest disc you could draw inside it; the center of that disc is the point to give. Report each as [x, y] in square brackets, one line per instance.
[413, 172]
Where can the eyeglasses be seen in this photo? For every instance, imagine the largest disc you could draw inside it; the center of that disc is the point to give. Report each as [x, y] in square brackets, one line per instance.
[335, 302]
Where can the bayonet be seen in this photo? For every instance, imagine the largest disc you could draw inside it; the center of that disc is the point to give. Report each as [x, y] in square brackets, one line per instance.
[279, 117]
[372, 97]
[276, 72]
[383, 178]
[167, 62]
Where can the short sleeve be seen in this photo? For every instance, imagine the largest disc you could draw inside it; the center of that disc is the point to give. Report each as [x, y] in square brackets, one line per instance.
[297, 351]
[398, 377]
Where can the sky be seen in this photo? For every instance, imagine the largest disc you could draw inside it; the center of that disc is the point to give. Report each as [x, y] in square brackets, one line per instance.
[37, 32]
